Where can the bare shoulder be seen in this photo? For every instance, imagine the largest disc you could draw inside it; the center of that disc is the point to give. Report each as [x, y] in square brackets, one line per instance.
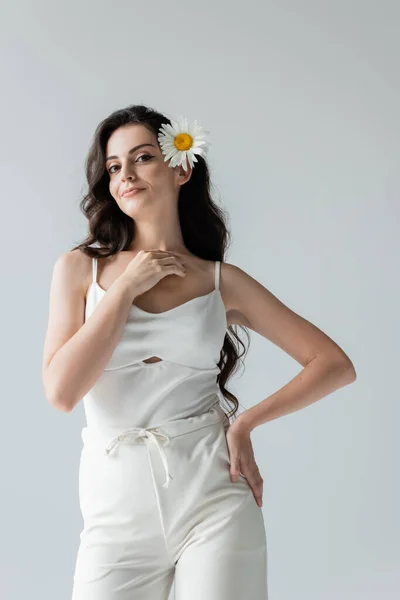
[232, 278]
[251, 301]
[74, 269]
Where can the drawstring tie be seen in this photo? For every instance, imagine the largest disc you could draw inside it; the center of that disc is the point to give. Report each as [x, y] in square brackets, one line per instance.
[148, 434]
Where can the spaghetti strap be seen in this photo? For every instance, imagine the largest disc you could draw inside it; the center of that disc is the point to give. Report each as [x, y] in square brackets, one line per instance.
[217, 273]
[94, 269]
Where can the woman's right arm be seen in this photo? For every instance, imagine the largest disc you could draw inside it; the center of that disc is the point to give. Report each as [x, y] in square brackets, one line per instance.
[75, 351]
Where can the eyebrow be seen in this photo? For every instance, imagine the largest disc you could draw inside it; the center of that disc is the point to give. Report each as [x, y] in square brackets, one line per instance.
[130, 151]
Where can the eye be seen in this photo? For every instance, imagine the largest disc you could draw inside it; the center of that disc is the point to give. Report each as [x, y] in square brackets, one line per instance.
[148, 156]
[143, 156]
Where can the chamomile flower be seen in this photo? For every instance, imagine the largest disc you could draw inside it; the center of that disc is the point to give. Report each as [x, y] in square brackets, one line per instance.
[180, 142]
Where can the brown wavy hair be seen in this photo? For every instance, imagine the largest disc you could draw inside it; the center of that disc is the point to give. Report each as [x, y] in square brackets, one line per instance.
[202, 222]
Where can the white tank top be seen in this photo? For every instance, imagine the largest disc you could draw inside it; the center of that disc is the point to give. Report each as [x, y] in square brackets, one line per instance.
[188, 338]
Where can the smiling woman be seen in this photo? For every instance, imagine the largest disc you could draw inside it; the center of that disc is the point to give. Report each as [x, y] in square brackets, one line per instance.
[143, 329]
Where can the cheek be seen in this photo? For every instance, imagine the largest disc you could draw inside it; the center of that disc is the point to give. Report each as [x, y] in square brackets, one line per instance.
[162, 176]
[113, 187]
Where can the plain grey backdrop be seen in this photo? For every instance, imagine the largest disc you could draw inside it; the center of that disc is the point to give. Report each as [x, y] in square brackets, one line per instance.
[302, 103]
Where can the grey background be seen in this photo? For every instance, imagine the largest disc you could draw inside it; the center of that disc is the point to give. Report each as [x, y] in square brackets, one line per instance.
[301, 100]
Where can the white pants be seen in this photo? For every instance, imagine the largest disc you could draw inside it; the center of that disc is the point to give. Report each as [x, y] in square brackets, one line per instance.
[159, 506]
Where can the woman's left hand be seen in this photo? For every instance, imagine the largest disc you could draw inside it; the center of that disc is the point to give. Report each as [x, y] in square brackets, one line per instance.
[241, 457]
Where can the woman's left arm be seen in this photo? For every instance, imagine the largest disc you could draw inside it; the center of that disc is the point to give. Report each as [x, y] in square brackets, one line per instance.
[326, 367]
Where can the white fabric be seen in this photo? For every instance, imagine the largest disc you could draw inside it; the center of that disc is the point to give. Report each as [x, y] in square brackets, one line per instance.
[155, 492]
[188, 338]
[136, 433]
[205, 532]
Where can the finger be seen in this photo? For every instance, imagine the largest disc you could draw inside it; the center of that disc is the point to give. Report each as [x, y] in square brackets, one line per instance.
[159, 250]
[234, 468]
[257, 489]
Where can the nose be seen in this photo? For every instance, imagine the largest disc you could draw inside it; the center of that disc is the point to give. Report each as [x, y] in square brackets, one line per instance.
[127, 173]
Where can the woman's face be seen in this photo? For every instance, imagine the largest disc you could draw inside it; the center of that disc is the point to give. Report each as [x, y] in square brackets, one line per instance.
[143, 167]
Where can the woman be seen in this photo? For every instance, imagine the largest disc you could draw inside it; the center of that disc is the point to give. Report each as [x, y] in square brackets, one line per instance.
[141, 328]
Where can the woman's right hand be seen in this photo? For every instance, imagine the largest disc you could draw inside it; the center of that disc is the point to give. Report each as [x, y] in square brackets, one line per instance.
[148, 267]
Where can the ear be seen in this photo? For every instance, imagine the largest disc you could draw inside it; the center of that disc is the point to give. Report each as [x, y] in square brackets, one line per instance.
[183, 176]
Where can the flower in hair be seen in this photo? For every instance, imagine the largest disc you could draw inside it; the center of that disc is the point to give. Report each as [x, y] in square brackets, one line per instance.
[180, 142]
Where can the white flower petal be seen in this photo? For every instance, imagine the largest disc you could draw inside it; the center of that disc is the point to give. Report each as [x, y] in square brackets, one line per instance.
[167, 135]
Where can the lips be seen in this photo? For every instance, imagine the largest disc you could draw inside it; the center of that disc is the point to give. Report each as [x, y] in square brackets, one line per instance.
[131, 191]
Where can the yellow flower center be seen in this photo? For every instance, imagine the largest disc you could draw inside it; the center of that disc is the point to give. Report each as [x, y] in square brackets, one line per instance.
[183, 141]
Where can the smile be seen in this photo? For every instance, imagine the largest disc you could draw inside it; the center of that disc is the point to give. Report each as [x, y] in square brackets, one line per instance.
[132, 192]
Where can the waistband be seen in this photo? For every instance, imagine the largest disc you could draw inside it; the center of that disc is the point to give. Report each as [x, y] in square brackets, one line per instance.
[109, 438]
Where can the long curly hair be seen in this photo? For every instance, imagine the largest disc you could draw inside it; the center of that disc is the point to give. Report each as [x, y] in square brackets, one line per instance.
[202, 222]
